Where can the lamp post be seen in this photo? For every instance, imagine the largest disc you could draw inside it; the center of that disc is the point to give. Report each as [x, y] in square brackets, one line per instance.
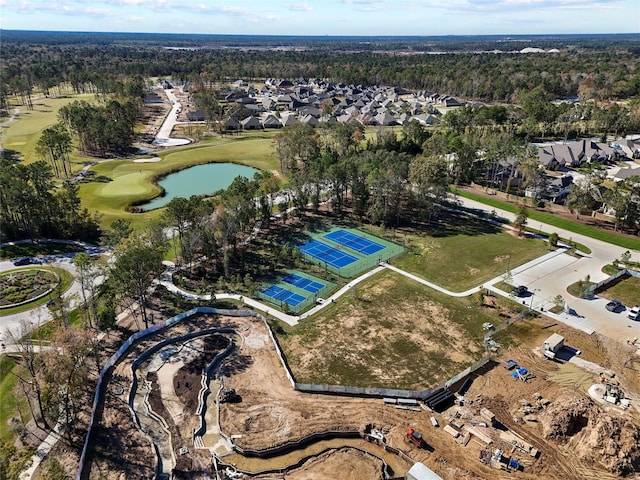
[533, 294]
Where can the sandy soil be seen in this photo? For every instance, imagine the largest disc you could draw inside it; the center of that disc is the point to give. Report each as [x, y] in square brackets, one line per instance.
[272, 413]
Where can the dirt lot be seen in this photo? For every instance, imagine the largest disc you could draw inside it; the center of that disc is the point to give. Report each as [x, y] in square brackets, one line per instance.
[577, 438]
[388, 332]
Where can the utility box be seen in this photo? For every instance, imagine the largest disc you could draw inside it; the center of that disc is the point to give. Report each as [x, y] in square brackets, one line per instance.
[553, 345]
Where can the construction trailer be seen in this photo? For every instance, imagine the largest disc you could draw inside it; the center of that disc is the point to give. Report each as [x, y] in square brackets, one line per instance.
[420, 471]
[552, 345]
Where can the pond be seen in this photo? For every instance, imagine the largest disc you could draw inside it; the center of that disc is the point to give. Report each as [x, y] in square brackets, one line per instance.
[198, 180]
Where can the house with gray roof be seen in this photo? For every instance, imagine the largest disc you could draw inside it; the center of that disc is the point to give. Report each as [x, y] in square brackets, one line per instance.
[310, 119]
[251, 123]
[552, 188]
[385, 119]
[271, 121]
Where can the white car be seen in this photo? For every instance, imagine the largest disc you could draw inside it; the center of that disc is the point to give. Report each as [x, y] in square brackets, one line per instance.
[634, 313]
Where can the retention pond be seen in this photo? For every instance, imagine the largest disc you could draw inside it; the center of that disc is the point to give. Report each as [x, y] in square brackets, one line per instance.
[199, 180]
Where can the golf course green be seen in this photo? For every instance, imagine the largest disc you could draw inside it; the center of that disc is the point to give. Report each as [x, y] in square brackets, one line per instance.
[136, 182]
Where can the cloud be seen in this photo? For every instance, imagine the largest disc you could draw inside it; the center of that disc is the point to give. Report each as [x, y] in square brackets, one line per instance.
[299, 7]
[506, 6]
[363, 2]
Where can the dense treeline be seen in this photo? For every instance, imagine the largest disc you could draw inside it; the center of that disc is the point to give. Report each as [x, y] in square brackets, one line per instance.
[582, 68]
[436, 43]
[102, 130]
[30, 206]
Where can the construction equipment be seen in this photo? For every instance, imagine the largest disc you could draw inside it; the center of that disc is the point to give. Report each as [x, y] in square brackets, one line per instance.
[229, 395]
[415, 437]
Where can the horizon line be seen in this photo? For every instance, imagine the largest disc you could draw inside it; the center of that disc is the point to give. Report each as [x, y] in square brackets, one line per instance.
[324, 35]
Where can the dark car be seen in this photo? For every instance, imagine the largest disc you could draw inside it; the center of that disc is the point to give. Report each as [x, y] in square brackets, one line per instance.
[613, 305]
[520, 291]
[21, 261]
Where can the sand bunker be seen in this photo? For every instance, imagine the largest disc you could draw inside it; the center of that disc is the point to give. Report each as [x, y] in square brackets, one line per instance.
[147, 160]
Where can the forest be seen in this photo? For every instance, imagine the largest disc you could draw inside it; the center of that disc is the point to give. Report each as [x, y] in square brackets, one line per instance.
[517, 90]
[599, 67]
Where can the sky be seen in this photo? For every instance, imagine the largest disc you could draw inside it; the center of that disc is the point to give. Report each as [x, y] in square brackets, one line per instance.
[325, 17]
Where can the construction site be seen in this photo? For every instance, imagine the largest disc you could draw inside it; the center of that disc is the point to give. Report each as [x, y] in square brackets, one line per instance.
[210, 395]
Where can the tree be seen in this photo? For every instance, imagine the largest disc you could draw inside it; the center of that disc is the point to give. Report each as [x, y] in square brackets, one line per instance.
[182, 215]
[120, 229]
[297, 146]
[87, 274]
[138, 263]
[521, 220]
[65, 375]
[55, 144]
[429, 177]
[584, 194]
[28, 373]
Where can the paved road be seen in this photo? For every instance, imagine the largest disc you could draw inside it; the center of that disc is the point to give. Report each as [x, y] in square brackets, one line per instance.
[163, 138]
[548, 279]
[32, 318]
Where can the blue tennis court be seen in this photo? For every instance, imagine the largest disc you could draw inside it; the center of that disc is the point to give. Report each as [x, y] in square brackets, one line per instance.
[328, 254]
[283, 295]
[303, 283]
[354, 242]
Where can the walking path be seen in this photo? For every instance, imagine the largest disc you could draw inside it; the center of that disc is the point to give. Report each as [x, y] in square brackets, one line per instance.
[42, 452]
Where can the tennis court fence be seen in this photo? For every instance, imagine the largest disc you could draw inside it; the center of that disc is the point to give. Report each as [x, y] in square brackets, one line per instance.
[355, 268]
[300, 307]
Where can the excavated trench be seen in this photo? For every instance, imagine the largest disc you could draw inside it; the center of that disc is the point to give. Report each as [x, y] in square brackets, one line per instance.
[159, 410]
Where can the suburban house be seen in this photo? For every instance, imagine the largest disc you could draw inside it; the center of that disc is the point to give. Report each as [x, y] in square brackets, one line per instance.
[251, 123]
[231, 123]
[271, 121]
[625, 173]
[153, 97]
[196, 116]
[552, 188]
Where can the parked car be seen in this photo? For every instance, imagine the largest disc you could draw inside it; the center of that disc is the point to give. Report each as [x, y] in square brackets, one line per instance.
[21, 261]
[520, 291]
[634, 313]
[613, 305]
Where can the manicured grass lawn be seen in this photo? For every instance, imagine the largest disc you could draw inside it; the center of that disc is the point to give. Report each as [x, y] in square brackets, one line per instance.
[627, 291]
[559, 222]
[65, 276]
[391, 332]
[8, 382]
[133, 182]
[465, 252]
[23, 134]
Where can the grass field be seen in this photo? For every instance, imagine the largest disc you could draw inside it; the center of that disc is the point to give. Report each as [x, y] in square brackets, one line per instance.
[134, 182]
[23, 134]
[559, 222]
[10, 405]
[388, 332]
[465, 252]
[627, 290]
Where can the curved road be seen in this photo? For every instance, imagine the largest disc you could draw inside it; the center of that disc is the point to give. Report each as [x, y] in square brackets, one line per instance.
[548, 279]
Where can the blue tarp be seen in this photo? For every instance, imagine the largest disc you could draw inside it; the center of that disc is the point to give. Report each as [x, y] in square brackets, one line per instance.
[520, 371]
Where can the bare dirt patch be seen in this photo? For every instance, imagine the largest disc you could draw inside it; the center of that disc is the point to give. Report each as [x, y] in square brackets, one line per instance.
[386, 333]
[272, 413]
